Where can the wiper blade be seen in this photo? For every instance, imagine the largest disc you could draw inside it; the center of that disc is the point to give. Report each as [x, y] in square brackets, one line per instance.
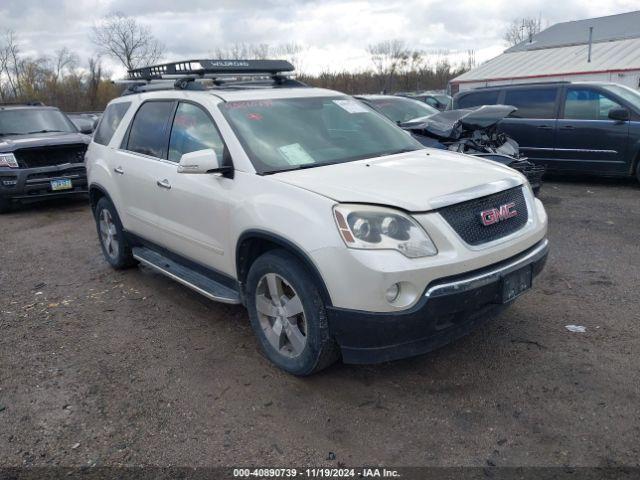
[297, 167]
[44, 131]
[6, 134]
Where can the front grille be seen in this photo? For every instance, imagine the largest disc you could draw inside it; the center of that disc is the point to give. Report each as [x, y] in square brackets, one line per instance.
[48, 156]
[40, 177]
[465, 218]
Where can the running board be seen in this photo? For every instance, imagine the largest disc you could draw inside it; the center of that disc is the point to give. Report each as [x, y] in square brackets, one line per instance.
[186, 276]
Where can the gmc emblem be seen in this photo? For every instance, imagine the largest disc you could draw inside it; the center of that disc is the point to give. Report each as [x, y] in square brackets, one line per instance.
[495, 215]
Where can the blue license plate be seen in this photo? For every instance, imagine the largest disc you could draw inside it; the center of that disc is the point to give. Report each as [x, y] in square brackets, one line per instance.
[61, 184]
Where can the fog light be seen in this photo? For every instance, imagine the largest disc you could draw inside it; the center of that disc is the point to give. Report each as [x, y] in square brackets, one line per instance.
[392, 293]
[9, 183]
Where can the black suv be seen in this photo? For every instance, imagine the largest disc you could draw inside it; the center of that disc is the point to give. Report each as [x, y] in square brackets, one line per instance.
[41, 155]
[585, 127]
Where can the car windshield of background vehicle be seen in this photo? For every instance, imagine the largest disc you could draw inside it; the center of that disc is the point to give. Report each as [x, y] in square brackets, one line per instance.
[628, 94]
[25, 121]
[402, 109]
[295, 133]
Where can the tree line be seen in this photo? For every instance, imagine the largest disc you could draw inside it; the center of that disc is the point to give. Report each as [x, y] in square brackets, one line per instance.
[63, 80]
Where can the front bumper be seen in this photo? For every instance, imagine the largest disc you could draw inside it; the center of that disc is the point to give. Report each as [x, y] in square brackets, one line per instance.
[24, 184]
[449, 309]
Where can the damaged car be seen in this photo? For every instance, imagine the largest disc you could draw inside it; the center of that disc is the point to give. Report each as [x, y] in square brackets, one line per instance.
[472, 131]
[41, 155]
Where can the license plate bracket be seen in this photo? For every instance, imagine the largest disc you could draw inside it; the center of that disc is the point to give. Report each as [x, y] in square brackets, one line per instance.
[516, 283]
[61, 184]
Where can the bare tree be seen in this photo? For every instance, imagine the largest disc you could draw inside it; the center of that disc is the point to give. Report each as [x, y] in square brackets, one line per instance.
[522, 29]
[387, 58]
[64, 61]
[125, 40]
[10, 64]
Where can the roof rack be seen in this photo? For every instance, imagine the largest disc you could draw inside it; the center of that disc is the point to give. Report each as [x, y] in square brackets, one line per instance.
[202, 68]
[550, 82]
[28, 103]
[203, 74]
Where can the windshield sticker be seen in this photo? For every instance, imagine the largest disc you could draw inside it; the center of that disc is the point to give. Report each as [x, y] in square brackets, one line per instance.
[294, 154]
[254, 116]
[351, 106]
[249, 104]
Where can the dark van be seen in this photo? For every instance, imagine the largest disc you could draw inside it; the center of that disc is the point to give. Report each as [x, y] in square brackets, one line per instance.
[570, 127]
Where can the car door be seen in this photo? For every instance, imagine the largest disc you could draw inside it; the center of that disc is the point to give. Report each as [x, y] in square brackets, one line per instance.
[533, 125]
[587, 140]
[136, 164]
[193, 209]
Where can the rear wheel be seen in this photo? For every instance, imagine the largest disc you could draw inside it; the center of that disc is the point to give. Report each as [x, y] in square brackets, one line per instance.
[114, 245]
[288, 315]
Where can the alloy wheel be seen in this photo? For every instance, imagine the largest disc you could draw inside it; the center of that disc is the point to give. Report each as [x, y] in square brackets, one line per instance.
[109, 234]
[281, 315]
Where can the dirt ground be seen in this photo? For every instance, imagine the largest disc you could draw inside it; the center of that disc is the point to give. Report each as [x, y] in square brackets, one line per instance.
[99, 367]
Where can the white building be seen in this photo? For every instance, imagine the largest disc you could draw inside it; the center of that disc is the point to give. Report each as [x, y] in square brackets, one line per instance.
[603, 49]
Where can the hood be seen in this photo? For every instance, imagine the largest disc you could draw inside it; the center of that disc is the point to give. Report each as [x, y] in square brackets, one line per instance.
[12, 143]
[415, 181]
[449, 124]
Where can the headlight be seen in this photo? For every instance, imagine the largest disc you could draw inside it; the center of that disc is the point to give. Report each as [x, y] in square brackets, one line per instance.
[8, 160]
[377, 228]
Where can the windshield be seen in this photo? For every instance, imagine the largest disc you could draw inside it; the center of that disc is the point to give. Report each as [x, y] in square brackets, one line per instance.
[294, 133]
[402, 109]
[22, 121]
[630, 95]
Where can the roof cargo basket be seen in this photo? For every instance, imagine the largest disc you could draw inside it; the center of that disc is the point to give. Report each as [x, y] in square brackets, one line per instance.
[210, 68]
[207, 74]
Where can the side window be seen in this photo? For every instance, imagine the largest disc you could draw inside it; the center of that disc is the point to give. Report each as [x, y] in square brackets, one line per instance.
[432, 101]
[193, 130]
[476, 99]
[532, 102]
[110, 120]
[147, 134]
[586, 104]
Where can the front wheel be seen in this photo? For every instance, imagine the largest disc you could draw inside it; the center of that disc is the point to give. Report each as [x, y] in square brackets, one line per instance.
[114, 245]
[288, 315]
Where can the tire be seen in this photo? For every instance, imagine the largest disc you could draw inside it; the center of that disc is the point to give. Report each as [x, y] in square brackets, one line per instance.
[5, 205]
[114, 246]
[306, 344]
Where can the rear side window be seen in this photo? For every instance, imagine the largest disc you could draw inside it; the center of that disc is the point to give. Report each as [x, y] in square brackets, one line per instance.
[476, 99]
[532, 102]
[110, 120]
[148, 130]
[193, 130]
[586, 104]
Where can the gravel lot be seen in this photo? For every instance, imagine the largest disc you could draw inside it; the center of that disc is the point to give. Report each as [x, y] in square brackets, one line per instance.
[99, 367]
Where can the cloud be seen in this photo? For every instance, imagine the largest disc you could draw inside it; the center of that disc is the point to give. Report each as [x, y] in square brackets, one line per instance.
[336, 33]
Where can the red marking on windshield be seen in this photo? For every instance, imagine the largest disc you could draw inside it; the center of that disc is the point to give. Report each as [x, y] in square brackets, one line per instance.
[254, 116]
[249, 104]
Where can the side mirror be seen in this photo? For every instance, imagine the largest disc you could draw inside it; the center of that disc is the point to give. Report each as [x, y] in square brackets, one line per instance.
[201, 161]
[619, 114]
[87, 130]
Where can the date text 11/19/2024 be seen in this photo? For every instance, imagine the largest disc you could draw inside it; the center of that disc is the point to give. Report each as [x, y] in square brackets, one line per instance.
[315, 473]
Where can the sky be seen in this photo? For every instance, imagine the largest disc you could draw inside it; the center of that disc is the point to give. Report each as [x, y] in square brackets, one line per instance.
[335, 34]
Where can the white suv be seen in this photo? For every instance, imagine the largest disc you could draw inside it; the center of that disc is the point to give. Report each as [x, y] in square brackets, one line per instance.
[342, 235]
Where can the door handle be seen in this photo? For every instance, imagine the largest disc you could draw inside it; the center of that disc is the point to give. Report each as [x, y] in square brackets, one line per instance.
[119, 170]
[567, 127]
[544, 127]
[164, 184]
